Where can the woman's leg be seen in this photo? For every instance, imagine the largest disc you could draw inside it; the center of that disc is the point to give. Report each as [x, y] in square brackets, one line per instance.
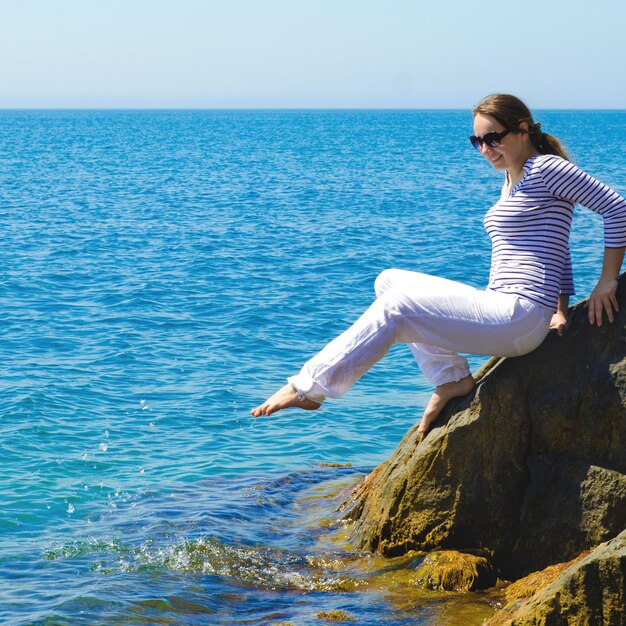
[440, 364]
[438, 317]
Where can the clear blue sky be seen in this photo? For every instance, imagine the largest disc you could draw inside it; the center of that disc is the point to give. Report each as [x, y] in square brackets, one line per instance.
[310, 53]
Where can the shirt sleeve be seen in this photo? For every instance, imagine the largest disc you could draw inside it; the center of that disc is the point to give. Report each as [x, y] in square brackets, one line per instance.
[567, 282]
[566, 180]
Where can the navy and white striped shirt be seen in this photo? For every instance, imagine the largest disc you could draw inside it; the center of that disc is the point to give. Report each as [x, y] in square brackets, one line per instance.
[529, 228]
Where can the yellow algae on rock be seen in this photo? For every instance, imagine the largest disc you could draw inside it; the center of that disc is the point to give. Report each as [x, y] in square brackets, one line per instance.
[531, 584]
[325, 464]
[335, 616]
[449, 570]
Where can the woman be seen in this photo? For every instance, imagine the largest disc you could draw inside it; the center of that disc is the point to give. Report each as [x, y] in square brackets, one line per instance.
[529, 285]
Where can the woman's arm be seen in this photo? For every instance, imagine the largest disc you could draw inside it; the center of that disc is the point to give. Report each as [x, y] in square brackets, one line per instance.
[603, 295]
[559, 319]
[564, 180]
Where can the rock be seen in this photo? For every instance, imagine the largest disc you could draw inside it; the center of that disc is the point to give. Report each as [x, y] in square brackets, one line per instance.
[588, 592]
[572, 504]
[529, 469]
[449, 570]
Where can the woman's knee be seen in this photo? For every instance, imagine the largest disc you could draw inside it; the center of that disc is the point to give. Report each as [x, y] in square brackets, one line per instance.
[384, 281]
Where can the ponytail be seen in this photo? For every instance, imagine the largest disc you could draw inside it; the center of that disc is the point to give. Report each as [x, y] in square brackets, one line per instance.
[545, 143]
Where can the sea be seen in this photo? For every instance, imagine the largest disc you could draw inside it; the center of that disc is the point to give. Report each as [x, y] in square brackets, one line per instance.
[161, 273]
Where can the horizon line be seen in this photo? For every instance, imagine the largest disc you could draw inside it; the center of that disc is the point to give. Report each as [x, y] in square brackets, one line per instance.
[280, 108]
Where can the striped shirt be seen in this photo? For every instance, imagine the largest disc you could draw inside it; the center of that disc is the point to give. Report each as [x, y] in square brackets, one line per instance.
[530, 226]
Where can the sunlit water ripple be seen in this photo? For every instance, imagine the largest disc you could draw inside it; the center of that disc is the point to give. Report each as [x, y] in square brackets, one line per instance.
[164, 271]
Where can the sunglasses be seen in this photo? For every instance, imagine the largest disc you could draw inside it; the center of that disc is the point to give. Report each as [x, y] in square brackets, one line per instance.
[492, 139]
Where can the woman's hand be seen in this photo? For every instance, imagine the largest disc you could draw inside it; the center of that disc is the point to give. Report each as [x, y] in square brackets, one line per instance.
[558, 321]
[603, 298]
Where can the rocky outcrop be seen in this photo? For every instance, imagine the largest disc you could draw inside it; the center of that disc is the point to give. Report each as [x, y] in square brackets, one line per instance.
[589, 592]
[530, 468]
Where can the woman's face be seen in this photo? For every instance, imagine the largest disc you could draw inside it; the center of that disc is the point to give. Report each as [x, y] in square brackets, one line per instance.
[513, 150]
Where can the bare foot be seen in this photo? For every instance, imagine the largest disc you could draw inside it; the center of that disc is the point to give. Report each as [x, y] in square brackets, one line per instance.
[440, 398]
[284, 398]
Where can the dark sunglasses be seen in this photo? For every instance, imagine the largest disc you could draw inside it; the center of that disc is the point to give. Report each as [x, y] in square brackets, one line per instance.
[492, 139]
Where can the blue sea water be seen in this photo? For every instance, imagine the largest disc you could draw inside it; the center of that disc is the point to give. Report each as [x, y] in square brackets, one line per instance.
[161, 273]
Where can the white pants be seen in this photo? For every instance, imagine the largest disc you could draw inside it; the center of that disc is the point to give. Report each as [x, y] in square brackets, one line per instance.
[438, 318]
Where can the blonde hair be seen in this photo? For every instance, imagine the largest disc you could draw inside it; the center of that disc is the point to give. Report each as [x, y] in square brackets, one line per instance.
[511, 112]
